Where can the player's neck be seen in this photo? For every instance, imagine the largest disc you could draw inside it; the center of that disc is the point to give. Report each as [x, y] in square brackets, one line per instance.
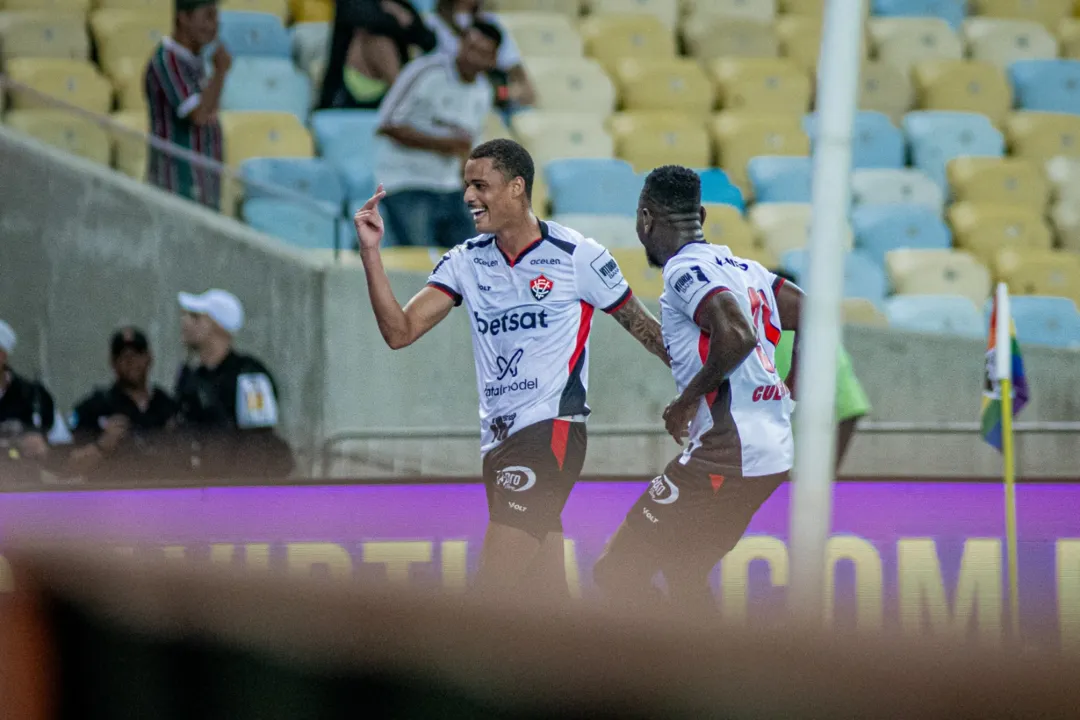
[512, 240]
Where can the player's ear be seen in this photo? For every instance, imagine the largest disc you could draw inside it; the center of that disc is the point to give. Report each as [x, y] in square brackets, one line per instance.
[702, 212]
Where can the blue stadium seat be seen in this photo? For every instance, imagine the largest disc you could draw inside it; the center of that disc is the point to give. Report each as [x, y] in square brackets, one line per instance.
[359, 181]
[863, 276]
[780, 179]
[939, 314]
[1039, 320]
[593, 186]
[717, 189]
[881, 228]
[875, 142]
[312, 177]
[889, 186]
[1046, 85]
[345, 137]
[298, 224]
[951, 11]
[253, 33]
[939, 136]
[268, 84]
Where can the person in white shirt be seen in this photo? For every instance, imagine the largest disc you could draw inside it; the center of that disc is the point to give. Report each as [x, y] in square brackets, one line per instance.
[428, 123]
[722, 317]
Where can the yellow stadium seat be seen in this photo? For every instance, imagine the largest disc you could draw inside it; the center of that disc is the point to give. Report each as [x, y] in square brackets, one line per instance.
[800, 39]
[985, 229]
[724, 37]
[130, 153]
[1041, 136]
[860, 311]
[66, 131]
[762, 85]
[963, 85]
[780, 227]
[666, 11]
[1065, 217]
[1047, 12]
[544, 34]
[904, 42]
[1002, 181]
[810, 8]
[609, 38]
[1063, 175]
[1000, 41]
[571, 85]
[304, 11]
[540, 200]
[649, 139]
[646, 281]
[760, 10]
[128, 76]
[264, 134]
[551, 135]
[125, 39]
[43, 35]
[1068, 33]
[76, 7]
[741, 135]
[569, 8]
[675, 85]
[938, 272]
[1040, 272]
[885, 89]
[495, 128]
[156, 8]
[411, 259]
[725, 225]
[277, 8]
[70, 81]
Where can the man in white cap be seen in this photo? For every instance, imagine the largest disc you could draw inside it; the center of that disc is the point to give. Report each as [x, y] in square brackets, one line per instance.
[228, 401]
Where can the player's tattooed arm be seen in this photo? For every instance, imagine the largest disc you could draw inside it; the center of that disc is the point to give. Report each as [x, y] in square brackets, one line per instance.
[640, 323]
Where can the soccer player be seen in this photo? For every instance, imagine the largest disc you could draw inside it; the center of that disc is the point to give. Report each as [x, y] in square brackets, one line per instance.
[721, 318]
[531, 288]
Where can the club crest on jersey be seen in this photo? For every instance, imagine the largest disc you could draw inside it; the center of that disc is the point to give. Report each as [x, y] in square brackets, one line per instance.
[541, 287]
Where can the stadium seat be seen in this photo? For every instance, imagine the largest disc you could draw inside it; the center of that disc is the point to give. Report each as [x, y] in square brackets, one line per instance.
[314, 178]
[1040, 136]
[1001, 181]
[611, 231]
[593, 187]
[63, 130]
[360, 184]
[800, 40]
[951, 11]
[346, 137]
[964, 86]
[937, 272]
[762, 84]
[880, 229]
[72, 7]
[1068, 35]
[731, 37]
[780, 179]
[666, 11]
[1047, 85]
[161, 9]
[875, 143]
[310, 43]
[650, 139]
[741, 135]
[300, 224]
[646, 281]
[41, 35]
[863, 276]
[254, 33]
[885, 89]
[609, 38]
[307, 11]
[263, 134]
[1063, 175]
[495, 128]
[717, 189]
[544, 34]
[859, 311]
[277, 8]
[725, 225]
[571, 85]
[409, 259]
[130, 153]
[808, 8]
[555, 135]
[904, 42]
[889, 187]
[1047, 12]
[125, 39]
[673, 85]
[1052, 321]
[985, 229]
[70, 81]
[268, 84]
[937, 136]
[1003, 42]
[1040, 272]
[705, 10]
[569, 8]
[780, 227]
[938, 314]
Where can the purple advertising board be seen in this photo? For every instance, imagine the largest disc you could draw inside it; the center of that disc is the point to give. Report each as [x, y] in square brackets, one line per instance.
[926, 557]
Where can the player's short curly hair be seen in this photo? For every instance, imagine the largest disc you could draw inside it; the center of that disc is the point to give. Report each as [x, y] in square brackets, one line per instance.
[673, 189]
[509, 158]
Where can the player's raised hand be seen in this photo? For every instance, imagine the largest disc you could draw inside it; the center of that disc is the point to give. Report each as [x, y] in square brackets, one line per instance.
[369, 223]
[677, 417]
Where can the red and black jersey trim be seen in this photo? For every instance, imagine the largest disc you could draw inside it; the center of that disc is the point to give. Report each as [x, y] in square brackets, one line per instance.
[617, 305]
[701, 303]
[777, 284]
[455, 296]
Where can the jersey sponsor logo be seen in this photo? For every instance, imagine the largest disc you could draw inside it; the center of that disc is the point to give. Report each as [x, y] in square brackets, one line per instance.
[500, 426]
[485, 263]
[541, 287]
[732, 262]
[516, 478]
[484, 288]
[496, 390]
[509, 366]
[764, 393]
[688, 284]
[546, 261]
[663, 491]
[607, 269]
[511, 322]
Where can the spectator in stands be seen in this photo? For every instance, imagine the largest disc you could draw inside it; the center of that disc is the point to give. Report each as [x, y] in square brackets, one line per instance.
[183, 103]
[452, 18]
[120, 430]
[430, 121]
[228, 401]
[371, 42]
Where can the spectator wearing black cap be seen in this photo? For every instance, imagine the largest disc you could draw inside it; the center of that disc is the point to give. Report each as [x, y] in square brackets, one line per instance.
[119, 429]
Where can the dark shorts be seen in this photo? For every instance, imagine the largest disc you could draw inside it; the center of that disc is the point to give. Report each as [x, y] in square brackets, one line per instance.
[422, 217]
[529, 477]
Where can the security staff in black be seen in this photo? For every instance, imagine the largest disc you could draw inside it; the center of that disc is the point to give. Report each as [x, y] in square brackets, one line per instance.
[27, 416]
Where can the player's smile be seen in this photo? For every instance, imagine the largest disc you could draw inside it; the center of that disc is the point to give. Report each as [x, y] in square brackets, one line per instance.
[479, 214]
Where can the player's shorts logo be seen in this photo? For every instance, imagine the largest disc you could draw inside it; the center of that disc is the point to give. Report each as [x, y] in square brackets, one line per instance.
[663, 491]
[500, 426]
[517, 478]
[509, 366]
[541, 287]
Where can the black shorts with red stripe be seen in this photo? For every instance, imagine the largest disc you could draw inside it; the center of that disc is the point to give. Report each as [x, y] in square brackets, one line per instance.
[528, 478]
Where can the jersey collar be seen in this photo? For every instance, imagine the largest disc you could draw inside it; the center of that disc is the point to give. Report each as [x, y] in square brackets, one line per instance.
[528, 248]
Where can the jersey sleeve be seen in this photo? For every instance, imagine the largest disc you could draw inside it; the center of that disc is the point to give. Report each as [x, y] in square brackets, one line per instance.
[445, 277]
[689, 282]
[600, 282]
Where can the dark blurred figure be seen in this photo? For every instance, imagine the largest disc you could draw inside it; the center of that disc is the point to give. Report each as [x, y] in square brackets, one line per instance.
[120, 430]
[371, 41]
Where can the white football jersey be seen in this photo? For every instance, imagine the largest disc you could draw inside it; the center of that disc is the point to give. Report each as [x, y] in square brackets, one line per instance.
[746, 422]
[530, 318]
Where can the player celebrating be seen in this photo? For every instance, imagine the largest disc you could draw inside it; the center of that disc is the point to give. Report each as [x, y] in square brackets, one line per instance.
[531, 288]
[721, 321]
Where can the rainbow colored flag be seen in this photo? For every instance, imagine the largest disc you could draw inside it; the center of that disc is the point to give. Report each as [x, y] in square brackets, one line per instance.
[991, 404]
